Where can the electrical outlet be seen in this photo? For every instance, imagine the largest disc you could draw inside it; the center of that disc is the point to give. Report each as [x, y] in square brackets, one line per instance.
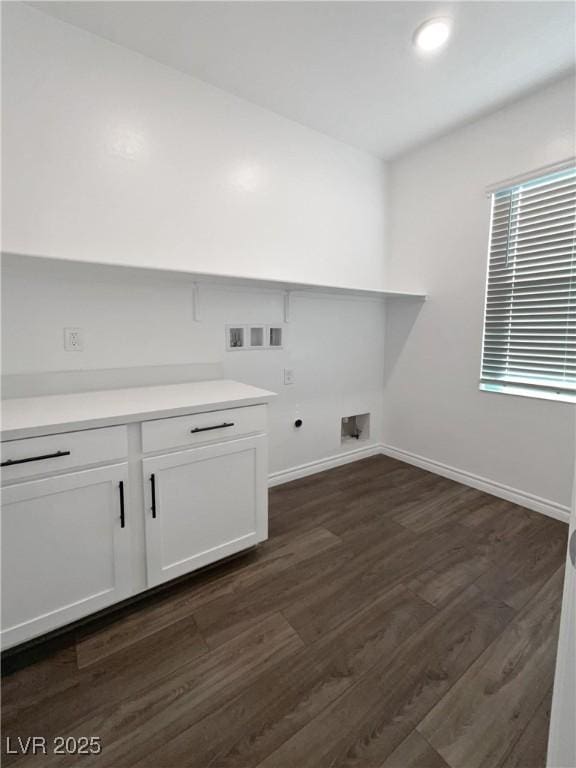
[73, 339]
[288, 376]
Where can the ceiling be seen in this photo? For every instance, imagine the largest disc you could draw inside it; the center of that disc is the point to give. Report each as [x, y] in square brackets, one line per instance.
[348, 69]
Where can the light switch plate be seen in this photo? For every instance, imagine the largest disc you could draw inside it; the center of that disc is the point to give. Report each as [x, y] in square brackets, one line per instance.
[288, 376]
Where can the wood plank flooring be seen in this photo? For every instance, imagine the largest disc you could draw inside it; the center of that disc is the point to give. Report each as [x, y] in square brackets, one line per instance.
[395, 619]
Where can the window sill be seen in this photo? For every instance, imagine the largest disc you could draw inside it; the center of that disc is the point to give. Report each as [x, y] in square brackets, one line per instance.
[519, 391]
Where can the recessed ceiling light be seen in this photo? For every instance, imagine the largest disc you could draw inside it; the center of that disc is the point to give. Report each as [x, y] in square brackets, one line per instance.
[433, 34]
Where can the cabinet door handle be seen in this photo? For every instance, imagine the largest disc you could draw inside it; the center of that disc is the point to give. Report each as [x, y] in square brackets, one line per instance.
[122, 515]
[153, 491]
[208, 429]
[12, 462]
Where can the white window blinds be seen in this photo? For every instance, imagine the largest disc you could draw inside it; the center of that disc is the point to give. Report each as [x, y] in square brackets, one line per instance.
[530, 321]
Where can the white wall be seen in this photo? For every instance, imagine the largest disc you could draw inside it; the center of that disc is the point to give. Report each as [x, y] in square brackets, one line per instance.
[111, 157]
[132, 318]
[439, 231]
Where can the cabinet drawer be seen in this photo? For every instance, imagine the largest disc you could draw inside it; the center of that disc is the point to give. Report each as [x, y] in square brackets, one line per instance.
[54, 453]
[214, 426]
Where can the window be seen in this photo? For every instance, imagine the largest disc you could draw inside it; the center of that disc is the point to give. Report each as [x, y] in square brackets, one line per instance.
[530, 322]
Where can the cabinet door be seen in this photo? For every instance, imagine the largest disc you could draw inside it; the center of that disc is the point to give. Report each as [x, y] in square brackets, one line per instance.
[204, 504]
[65, 550]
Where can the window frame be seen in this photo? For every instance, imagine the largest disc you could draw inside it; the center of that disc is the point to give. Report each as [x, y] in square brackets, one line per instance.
[537, 390]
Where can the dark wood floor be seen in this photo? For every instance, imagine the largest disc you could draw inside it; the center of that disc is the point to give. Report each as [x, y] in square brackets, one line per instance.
[394, 619]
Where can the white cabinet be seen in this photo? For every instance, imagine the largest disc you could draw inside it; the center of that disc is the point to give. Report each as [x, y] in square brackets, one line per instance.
[78, 530]
[65, 549]
[204, 504]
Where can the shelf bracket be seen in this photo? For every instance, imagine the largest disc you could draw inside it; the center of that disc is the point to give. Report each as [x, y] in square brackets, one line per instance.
[287, 306]
[196, 302]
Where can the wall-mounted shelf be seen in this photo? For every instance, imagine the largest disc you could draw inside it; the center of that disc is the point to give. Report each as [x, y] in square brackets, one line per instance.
[288, 286]
[196, 279]
[226, 279]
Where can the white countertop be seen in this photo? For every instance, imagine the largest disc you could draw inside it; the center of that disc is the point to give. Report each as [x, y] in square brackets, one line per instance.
[51, 414]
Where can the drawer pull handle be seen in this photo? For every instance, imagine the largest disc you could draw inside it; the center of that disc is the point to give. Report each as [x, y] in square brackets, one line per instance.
[122, 516]
[208, 429]
[12, 462]
[153, 490]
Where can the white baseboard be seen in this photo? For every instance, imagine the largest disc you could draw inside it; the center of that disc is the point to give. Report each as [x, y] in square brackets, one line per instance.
[303, 470]
[528, 500]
